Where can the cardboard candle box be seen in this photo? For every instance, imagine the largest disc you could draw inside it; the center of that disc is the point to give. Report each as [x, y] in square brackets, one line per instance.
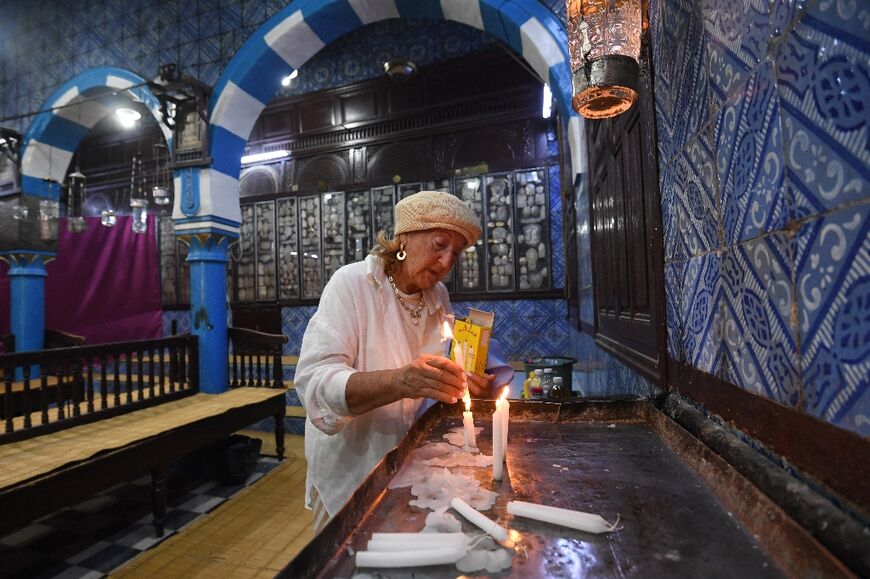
[472, 336]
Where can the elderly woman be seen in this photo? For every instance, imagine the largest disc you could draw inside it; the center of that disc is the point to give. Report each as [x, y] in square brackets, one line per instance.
[372, 353]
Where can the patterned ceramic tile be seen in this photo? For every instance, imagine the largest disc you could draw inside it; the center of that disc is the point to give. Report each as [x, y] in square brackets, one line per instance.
[736, 33]
[761, 353]
[675, 273]
[557, 243]
[824, 80]
[693, 214]
[749, 160]
[293, 323]
[701, 310]
[181, 317]
[684, 54]
[833, 295]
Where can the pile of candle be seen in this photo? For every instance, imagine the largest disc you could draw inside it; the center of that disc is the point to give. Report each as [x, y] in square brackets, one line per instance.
[500, 434]
[413, 549]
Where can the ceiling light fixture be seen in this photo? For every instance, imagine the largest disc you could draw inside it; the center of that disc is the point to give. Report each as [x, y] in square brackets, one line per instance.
[267, 156]
[127, 117]
[287, 79]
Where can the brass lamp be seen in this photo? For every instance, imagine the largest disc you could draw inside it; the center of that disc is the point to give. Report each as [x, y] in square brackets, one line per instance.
[604, 45]
[138, 201]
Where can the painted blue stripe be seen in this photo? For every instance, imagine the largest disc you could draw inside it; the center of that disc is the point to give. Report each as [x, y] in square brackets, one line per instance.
[201, 218]
[64, 134]
[512, 17]
[263, 80]
[227, 151]
[329, 20]
[420, 9]
[489, 13]
[39, 187]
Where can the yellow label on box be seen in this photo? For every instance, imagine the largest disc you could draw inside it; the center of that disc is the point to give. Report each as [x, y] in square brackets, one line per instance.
[471, 338]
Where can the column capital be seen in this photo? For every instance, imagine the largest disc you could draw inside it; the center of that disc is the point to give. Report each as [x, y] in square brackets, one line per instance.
[26, 261]
[207, 246]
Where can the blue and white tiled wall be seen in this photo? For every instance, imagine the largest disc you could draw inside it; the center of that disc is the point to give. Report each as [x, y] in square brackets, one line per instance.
[764, 152]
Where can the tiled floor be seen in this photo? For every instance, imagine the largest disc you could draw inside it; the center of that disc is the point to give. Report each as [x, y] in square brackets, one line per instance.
[100, 534]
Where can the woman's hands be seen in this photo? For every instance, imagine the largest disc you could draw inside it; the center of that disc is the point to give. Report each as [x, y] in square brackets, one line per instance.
[430, 376]
[439, 378]
[480, 386]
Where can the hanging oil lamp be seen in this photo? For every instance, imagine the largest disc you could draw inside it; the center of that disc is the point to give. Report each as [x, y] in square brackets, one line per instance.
[604, 44]
[160, 191]
[49, 211]
[75, 222]
[108, 217]
[138, 201]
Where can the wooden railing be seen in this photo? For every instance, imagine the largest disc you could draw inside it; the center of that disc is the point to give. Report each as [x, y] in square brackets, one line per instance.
[64, 387]
[255, 358]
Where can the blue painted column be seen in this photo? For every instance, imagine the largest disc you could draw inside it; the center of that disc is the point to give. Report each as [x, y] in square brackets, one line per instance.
[208, 306]
[27, 300]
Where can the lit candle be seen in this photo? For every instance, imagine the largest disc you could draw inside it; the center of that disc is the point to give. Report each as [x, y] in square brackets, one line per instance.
[497, 444]
[502, 405]
[588, 522]
[418, 558]
[487, 525]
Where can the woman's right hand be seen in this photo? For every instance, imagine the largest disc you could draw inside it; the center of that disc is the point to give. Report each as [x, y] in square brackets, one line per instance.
[433, 377]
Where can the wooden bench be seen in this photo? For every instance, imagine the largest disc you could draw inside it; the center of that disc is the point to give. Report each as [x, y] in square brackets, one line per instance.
[115, 412]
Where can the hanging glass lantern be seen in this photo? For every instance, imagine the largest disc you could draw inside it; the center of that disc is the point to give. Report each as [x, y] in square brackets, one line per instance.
[108, 217]
[160, 191]
[138, 202]
[49, 210]
[76, 194]
[604, 45]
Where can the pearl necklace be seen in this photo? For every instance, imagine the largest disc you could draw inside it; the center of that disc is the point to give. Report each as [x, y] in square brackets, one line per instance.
[415, 312]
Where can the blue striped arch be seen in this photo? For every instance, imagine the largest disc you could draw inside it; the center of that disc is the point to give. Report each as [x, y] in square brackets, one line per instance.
[55, 134]
[293, 35]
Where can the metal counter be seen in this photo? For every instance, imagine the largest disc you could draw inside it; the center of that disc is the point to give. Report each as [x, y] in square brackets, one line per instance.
[611, 458]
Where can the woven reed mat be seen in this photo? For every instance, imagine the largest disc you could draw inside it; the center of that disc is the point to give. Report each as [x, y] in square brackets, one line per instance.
[27, 459]
[256, 533]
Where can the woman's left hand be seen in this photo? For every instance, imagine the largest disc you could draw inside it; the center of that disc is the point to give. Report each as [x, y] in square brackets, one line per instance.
[479, 386]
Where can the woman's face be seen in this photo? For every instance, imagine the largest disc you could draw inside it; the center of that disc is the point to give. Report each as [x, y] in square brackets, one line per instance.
[431, 254]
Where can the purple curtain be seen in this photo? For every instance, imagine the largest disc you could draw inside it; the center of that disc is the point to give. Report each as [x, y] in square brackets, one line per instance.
[104, 284]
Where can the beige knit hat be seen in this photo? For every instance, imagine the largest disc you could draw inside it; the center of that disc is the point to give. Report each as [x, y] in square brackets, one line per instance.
[437, 210]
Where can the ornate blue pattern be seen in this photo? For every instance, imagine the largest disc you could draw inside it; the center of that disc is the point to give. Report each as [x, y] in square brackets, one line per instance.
[557, 242]
[749, 158]
[822, 69]
[788, 130]
[833, 287]
[293, 323]
[701, 313]
[761, 351]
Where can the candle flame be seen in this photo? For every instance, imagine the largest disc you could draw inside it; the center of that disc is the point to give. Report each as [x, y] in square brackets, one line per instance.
[467, 399]
[504, 393]
[446, 332]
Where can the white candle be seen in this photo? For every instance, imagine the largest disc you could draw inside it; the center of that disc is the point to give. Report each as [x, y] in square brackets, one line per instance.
[422, 556]
[588, 522]
[502, 405]
[489, 526]
[498, 440]
[468, 423]
[418, 541]
[424, 539]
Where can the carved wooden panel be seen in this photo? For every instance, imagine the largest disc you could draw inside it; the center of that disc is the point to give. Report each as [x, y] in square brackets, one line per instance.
[628, 270]
[361, 106]
[406, 159]
[316, 114]
[260, 180]
[323, 172]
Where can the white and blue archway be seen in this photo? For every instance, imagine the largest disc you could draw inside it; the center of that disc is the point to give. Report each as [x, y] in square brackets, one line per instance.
[207, 211]
[292, 36]
[68, 116]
